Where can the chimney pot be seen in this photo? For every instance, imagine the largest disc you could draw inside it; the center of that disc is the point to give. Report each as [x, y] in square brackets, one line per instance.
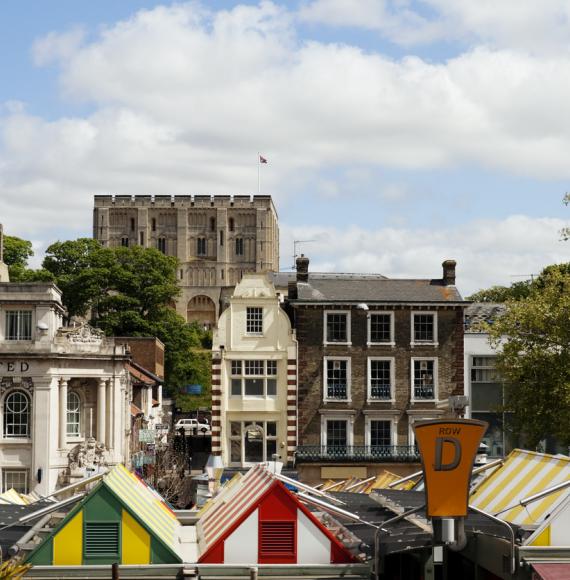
[302, 268]
[449, 272]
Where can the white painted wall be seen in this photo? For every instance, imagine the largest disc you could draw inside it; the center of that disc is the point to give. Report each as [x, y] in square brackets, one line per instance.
[313, 547]
[241, 546]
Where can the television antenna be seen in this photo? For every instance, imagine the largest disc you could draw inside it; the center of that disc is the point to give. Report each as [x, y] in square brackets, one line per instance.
[295, 255]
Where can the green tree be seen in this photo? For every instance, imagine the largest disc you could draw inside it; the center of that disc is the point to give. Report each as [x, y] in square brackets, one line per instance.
[128, 292]
[516, 291]
[17, 252]
[534, 339]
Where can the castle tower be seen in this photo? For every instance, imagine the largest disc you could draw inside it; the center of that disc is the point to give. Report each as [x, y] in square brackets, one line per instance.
[217, 239]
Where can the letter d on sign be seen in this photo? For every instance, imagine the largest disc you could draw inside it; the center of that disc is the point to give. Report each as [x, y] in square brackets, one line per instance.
[447, 450]
[439, 466]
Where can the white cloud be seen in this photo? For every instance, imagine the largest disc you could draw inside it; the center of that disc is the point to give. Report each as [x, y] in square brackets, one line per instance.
[57, 46]
[487, 252]
[183, 98]
[535, 26]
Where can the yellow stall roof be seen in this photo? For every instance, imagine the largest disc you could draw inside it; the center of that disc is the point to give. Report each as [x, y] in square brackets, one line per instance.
[523, 474]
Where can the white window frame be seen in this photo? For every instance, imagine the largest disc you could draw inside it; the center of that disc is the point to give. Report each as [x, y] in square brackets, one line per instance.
[11, 437]
[423, 415]
[19, 312]
[348, 379]
[435, 378]
[241, 439]
[243, 376]
[392, 361]
[348, 325]
[79, 435]
[340, 416]
[368, 431]
[248, 333]
[369, 341]
[433, 342]
[23, 471]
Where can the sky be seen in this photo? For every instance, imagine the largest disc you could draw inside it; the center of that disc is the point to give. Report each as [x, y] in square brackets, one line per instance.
[398, 133]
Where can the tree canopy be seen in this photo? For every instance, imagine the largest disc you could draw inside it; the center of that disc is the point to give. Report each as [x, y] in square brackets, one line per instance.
[533, 337]
[130, 292]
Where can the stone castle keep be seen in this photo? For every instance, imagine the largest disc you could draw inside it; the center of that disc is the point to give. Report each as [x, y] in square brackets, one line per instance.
[217, 240]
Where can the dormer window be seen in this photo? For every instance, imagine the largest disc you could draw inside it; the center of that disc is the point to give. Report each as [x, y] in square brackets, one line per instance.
[254, 320]
[19, 325]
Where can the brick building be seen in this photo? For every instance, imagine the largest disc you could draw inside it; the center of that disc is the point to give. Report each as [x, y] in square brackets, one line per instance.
[374, 355]
[216, 239]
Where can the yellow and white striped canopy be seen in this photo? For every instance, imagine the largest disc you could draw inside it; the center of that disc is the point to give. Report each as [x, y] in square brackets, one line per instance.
[523, 474]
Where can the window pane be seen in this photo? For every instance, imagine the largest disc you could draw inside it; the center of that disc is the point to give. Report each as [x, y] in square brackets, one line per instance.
[235, 429]
[236, 367]
[380, 328]
[271, 428]
[15, 479]
[423, 327]
[271, 387]
[336, 433]
[16, 415]
[271, 367]
[254, 321]
[235, 450]
[19, 325]
[270, 449]
[486, 397]
[337, 386]
[424, 386]
[254, 367]
[380, 379]
[236, 387]
[73, 414]
[336, 328]
[254, 387]
[380, 433]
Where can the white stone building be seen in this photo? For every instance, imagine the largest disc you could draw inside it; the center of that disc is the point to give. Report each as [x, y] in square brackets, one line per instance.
[64, 400]
[254, 382]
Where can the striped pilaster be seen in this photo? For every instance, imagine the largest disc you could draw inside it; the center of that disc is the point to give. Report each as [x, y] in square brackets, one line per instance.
[216, 407]
[291, 408]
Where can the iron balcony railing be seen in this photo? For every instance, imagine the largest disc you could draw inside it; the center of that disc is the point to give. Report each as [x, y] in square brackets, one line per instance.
[357, 453]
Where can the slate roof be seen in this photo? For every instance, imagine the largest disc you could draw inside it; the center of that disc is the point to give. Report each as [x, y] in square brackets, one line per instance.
[384, 504]
[370, 288]
[480, 312]
[12, 530]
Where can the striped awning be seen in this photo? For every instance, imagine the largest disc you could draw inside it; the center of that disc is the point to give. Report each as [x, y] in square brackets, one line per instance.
[145, 503]
[523, 474]
[223, 514]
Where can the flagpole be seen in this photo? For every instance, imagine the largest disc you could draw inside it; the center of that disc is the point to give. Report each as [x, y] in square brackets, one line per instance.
[258, 173]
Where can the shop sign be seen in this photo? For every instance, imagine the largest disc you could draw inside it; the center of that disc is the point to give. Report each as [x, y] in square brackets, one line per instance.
[447, 450]
[147, 435]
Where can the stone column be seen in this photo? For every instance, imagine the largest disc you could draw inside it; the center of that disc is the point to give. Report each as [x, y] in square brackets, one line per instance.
[101, 410]
[62, 413]
[110, 417]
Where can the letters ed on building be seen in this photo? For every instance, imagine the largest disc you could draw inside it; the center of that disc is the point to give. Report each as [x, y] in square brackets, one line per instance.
[447, 450]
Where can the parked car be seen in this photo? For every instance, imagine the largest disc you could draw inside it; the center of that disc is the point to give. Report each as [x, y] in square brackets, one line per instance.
[192, 426]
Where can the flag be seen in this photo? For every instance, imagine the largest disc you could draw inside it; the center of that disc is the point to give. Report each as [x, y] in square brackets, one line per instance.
[262, 159]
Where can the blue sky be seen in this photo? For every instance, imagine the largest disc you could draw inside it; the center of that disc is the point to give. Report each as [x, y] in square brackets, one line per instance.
[398, 133]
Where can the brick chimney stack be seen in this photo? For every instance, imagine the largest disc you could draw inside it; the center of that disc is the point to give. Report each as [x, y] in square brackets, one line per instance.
[302, 269]
[449, 272]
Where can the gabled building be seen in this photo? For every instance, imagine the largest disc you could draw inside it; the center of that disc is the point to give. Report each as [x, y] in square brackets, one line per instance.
[120, 521]
[374, 355]
[261, 522]
[254, 387]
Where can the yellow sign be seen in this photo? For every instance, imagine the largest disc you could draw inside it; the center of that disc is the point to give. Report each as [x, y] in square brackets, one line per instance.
[447, 450]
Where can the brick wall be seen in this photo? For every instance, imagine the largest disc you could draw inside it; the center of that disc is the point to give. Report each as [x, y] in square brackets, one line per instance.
[309, 325]
[148, 352]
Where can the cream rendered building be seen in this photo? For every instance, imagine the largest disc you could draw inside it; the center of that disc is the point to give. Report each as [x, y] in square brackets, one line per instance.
[64, 393]
[254, 386]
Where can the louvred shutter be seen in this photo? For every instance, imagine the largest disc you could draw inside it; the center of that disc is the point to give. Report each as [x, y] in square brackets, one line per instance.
[277, 542]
